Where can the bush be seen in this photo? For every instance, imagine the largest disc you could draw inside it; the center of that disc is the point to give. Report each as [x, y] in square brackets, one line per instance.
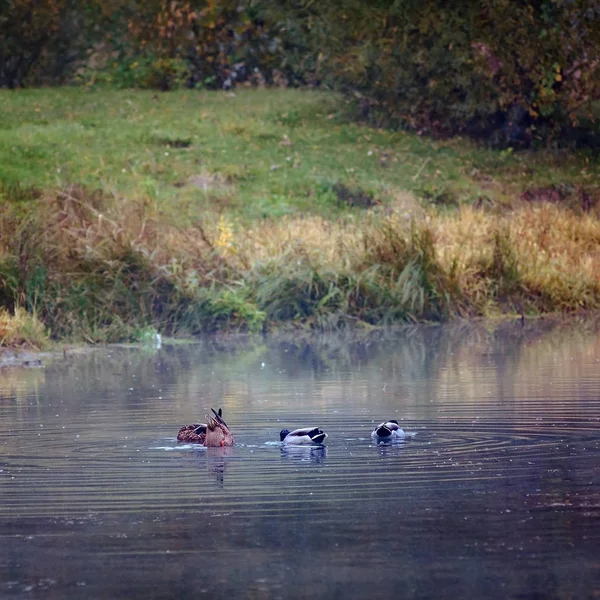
[165, 45]
[132, 43]
[43, 41]
[517, 70]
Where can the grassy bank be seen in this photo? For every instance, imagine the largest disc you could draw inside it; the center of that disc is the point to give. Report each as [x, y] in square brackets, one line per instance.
[187, 212]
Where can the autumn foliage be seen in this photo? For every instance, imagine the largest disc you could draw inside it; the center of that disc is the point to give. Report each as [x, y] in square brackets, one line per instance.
[155, 43]
[520, 69]
[30, 32]
[515, 72]
[212, 44]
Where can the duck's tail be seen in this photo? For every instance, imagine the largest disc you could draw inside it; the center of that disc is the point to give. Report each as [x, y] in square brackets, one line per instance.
[383, 431]
[219, 416]
[317, 435]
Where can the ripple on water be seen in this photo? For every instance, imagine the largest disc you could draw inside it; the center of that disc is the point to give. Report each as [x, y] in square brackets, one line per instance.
[93, 474]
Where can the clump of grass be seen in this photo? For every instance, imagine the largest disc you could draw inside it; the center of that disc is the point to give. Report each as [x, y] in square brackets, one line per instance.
[378, 271]
[406, 261]
[503, 269]
[100, 270]
[22, 329]
[539, 258]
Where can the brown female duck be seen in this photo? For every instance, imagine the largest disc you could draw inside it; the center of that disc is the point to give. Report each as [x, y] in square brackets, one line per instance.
[215, 433]
[195, 434]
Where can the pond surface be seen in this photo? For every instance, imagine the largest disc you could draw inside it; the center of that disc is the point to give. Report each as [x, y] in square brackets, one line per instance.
[496, 495]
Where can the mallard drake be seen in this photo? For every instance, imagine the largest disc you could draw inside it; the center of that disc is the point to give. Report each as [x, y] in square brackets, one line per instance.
[195, 433]
[217, 432]
[308, 435]
[388, 431]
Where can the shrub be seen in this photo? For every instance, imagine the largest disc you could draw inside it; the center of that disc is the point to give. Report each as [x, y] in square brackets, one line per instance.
[43, 41]
[517, 70]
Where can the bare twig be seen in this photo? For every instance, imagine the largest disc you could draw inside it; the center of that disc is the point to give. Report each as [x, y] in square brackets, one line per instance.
[423, 165]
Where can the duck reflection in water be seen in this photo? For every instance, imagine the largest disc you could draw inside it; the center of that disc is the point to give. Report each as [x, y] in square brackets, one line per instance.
[216, 463]
[390, 449]
[309, 454]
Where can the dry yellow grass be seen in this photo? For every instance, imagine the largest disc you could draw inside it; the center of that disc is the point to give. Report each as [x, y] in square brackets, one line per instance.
[557, 252]
[98, 253]
[22, 329]
[551, 243]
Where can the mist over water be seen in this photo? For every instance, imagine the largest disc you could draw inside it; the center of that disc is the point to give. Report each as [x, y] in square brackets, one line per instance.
[497, 493]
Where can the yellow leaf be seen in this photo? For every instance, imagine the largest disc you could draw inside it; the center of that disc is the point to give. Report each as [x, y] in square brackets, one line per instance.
[558, 77]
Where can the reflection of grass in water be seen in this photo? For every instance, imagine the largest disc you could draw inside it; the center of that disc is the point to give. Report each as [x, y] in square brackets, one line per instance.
[527, 361]
[417, 363]
[21, 384]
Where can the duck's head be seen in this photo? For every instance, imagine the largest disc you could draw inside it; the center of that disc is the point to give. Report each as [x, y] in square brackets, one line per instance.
[283, 433]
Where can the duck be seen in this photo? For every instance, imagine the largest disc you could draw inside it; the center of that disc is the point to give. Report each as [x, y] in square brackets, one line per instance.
[307, 435]
[388, 431]
[195, 433]
[218, 434]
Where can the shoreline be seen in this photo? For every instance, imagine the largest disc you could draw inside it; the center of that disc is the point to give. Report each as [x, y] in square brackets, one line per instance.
[27, 358]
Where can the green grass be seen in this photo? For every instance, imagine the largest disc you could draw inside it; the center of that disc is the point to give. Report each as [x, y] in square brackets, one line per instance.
[192, 211]
[275, 152]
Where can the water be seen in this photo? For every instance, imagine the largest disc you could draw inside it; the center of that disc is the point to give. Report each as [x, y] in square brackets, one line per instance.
[496, 495]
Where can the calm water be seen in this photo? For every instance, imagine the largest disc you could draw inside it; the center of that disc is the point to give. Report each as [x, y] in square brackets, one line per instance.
[497, 495]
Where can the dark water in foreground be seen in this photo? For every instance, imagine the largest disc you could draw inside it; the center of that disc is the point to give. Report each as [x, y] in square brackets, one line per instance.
[497, 495]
